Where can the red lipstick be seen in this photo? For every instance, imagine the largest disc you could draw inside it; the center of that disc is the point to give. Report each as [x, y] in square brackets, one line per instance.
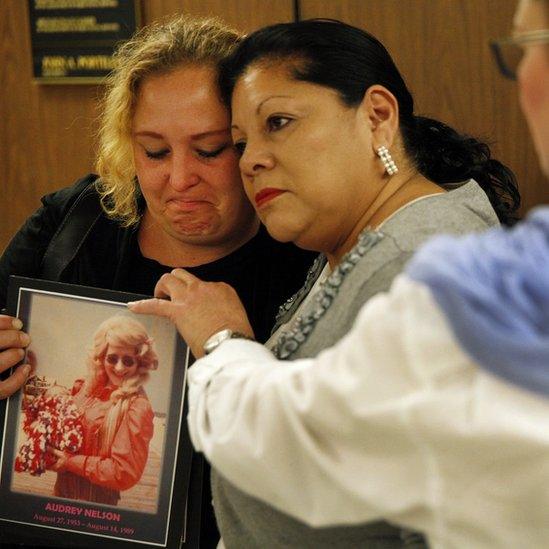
[265, 195]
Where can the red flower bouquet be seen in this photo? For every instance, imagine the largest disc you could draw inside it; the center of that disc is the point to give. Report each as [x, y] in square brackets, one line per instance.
[49, 421]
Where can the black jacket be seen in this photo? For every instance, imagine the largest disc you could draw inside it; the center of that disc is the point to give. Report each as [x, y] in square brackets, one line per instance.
[263, 272]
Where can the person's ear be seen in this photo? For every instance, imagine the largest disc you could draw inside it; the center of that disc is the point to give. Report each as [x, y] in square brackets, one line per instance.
[379, 109]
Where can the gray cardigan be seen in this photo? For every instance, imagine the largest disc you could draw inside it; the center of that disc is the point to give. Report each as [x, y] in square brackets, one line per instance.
[369, 268]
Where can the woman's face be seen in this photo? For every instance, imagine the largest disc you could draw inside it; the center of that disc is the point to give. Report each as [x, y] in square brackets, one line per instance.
[184, 159]
[121, 362]
[533, 76]
[306, 157]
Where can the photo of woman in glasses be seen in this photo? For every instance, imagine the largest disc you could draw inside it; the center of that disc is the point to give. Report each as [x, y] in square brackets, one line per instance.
[117, 417]
[114, 417]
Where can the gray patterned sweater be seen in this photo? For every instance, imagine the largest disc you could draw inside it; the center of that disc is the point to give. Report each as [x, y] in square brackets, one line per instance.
[369, 268]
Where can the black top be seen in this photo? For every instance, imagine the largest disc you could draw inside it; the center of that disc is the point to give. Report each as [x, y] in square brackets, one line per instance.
[251, 271]
[263, 272]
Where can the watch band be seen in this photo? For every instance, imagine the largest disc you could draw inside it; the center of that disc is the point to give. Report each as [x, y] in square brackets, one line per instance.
[215, 340]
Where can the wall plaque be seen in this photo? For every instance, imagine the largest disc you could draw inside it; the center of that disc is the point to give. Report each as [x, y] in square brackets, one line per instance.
[73, 40]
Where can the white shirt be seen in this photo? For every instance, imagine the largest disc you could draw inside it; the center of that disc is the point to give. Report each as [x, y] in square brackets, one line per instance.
[395, 422]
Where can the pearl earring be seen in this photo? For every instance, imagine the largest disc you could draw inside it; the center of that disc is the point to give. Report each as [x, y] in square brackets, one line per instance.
[387, 159]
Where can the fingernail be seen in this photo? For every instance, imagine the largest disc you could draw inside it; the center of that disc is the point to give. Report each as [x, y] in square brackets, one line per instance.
[26, 369]
[24, 338]
[131, 303]
[17, 324]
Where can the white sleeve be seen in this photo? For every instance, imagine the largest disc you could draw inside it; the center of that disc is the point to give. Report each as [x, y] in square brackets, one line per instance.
[390, 423]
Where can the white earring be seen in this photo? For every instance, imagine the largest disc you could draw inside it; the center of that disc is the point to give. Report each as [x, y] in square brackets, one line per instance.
[387, 159]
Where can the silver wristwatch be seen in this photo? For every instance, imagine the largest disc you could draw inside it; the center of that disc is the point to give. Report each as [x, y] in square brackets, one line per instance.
[214, 341]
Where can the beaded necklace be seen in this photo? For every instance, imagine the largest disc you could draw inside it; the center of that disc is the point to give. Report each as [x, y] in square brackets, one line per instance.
[303, 325]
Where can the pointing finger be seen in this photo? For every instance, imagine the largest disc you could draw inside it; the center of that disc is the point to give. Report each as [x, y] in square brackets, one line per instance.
[153, 306]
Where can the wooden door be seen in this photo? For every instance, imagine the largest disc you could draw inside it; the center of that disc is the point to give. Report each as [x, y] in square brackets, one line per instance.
[441, 48]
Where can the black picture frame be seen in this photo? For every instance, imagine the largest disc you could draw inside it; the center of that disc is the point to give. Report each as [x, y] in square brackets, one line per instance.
[61, 320]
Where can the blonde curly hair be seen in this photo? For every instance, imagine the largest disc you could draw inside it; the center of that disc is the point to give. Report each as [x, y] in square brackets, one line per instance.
[119, 330]
[125, 331]
[155, 49]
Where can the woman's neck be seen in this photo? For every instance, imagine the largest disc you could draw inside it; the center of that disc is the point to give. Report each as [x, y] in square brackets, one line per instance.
[398, 192]
[155, 243]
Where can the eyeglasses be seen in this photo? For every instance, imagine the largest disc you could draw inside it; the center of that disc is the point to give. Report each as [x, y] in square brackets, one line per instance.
[509, 51]
[127, 360]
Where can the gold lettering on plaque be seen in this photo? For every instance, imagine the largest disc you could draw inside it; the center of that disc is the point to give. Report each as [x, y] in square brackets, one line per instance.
[73, 4]
[95, 62]
[58, 65]
[74, 24]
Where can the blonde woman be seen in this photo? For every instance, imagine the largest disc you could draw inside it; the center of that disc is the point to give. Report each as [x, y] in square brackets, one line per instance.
[117, 417]
[169, 188]
[170, 193]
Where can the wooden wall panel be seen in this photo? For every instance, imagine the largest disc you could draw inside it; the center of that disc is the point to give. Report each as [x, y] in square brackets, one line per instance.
[245, 15]
[441, 47]
[47, 132]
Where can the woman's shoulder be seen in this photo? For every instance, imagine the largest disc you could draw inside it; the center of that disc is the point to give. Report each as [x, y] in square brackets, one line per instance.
[462, 210]
[519, 249]
[63, 199]
[45, 221]
[140, 412]
[458, 212]
[37, 232]
[140, 402]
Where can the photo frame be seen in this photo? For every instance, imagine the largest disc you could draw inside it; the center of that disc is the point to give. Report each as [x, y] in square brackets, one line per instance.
[95, 450]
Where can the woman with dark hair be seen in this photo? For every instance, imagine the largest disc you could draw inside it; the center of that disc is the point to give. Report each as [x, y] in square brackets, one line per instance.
[335, 160]
[349, 61]
[430, 413]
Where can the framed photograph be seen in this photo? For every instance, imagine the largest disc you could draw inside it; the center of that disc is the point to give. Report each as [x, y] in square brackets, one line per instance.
[95, 450]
